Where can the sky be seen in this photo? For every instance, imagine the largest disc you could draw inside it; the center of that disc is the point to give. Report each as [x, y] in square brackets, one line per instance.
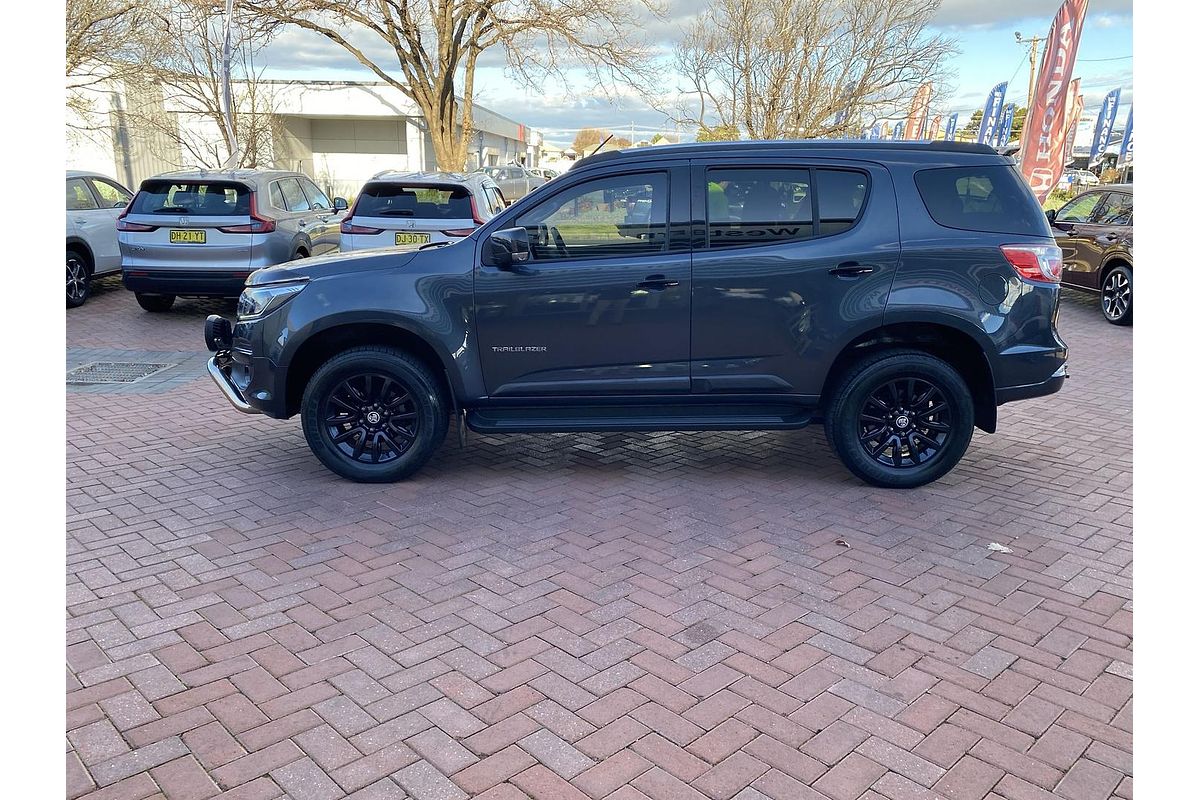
[988, 54]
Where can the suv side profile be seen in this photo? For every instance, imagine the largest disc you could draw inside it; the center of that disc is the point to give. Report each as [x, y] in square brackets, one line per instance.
[1095, 232]
[201, 233]
[93, 204]
[515, 180]
[898, 293]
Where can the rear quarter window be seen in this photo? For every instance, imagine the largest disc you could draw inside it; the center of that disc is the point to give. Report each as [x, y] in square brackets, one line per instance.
[992, 199]
[200, 199]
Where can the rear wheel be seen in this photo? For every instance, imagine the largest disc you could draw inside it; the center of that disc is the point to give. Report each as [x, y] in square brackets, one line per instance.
[1116, 296]
[900, 419]
[79, 279]
[155, 303]
[374, 414]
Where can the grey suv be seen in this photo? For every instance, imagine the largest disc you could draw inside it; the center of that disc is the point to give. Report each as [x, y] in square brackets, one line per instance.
[515, 181]
[93, 204]
[898, 293]
[202, 233]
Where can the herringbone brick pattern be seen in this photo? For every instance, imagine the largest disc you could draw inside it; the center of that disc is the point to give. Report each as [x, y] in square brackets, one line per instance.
[594, 616]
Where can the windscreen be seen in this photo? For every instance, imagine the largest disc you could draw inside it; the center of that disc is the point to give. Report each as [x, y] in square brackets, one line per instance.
[193, 198]
[419, 201]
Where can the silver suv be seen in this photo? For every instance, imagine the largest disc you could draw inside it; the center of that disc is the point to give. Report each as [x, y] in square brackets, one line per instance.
[402, 208]
[93, 204]
[514, 180]
[201, 233]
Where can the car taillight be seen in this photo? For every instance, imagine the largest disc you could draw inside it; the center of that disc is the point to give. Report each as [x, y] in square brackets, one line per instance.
[348, 226]
[1035, 262]
[475, 212]
[125, 225]
[459, 232]
[260, 224]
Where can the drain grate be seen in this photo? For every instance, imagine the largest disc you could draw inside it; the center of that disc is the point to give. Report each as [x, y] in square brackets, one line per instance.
[113, 372]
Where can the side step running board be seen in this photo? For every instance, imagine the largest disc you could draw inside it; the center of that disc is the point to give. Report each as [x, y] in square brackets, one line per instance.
[637, 418]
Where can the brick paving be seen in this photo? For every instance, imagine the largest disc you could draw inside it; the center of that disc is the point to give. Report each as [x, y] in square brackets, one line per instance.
[593, 616]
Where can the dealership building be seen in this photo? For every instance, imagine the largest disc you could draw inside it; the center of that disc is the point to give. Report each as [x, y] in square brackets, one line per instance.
[340, 133]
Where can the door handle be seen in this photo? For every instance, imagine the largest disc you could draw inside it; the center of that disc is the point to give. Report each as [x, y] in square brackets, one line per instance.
[657, 283]
[851, 270]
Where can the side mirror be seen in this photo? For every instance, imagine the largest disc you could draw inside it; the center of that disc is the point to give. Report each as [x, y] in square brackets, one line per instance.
[340, 204]
[509, 250]
[1051, 214]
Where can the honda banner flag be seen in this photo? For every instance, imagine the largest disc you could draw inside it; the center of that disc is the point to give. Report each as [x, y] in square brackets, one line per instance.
[1046, 123]
[990, 122]
[918, 111]
[1104, 126]
[1006, 122]
[951, 127]
[1127, 141]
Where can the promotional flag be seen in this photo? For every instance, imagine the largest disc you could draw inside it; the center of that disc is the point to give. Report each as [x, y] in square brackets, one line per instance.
[934, 126]
[989, 124]
[1127, 141]
[951, 127]
[1075, 104]
[1104, 125]
[898, 131]
[886, 131]
[918, 111]
[1047, 121]
[1006, 123]
[877, 132]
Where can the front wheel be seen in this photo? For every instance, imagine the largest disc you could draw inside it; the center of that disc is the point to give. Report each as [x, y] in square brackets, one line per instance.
[900, 419]
[155, 303]
[374, 414]
[1116, 296]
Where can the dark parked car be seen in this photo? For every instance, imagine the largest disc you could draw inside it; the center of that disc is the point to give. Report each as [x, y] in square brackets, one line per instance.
[898, 293]
[1095, 232]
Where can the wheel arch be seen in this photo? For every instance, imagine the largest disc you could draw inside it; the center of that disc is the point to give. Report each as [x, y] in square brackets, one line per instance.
[322, 345]
[948, 342]
[80, 245]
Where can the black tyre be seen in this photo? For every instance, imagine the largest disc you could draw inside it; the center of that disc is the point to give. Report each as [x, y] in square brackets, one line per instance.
[1116, 296]
[155, 303]
[374, 414]
[79, 279]
[900, 419]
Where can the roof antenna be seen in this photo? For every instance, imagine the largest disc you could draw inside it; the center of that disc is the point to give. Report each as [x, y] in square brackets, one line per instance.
[597, 150]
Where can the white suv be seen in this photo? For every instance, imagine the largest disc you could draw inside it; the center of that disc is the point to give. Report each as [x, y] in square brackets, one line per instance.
[419, 208]
[93, 204]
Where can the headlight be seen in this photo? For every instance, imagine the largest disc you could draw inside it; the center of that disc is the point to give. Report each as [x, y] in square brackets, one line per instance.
[259, 300]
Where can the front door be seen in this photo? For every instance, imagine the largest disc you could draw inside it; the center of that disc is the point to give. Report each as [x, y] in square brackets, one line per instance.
[1075, 232]
[602, 307]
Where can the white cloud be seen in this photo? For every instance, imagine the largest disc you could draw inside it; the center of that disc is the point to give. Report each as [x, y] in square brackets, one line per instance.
[988, 13]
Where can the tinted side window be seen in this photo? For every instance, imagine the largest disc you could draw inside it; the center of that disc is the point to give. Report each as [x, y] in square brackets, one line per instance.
[758, 206]
[621, 215]
[293, 196]
[316, 198]
[113, 196]
[991, 199]
[841, 195]
[277, 197]
[1080, 209]
[79, 197]
[1116, 210]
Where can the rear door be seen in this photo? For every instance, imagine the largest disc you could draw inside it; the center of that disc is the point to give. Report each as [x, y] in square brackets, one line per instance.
[602, 307]
[1075, 233]
[92, 223]
[796, 258]
[189, 225]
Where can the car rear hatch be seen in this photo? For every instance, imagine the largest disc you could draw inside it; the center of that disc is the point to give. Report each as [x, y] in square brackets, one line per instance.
[191, 224]
[390, 213]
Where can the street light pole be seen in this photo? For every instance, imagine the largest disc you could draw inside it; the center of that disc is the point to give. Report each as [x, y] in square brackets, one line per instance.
[227, 89]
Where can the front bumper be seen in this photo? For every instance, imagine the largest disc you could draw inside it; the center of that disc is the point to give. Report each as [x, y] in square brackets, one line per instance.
[220, 369]
[1048, 386]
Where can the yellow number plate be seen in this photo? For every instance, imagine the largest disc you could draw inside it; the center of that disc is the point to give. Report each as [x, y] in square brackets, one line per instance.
[412, 238]
[188, 237]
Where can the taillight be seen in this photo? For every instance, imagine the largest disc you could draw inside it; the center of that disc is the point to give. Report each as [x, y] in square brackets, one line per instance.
[125, 225]
[348, 226]
[260, 224]
[1035, 262]
[475, 212]
[459, 232]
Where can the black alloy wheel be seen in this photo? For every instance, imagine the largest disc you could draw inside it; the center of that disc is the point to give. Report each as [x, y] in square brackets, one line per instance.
[1116, 296]
[904, 423]
[370, 418]
[79, 281]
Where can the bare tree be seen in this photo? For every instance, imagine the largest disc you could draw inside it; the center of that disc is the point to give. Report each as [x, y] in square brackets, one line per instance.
[807, 68]
[106, 40]
[435, 46]
[187, 71]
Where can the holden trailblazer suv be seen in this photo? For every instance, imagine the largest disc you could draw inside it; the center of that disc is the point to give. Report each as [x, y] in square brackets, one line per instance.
[93, 204]
[897, 293]
[399, 208]
[201, 233]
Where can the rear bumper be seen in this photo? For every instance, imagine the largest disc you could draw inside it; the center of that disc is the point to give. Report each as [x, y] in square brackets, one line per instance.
[188, 283]
[1048, 386]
